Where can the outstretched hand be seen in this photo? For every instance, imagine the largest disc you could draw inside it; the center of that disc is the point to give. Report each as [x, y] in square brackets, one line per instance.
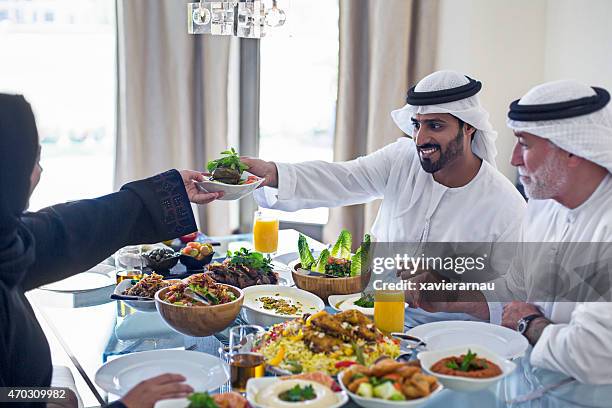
[195, 195]
[262, 168]
[148, 392]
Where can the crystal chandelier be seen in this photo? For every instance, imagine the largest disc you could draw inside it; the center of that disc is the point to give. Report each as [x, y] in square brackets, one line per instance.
[241, 18]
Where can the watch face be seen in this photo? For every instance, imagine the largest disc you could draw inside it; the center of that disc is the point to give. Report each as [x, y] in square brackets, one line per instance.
[522, 325]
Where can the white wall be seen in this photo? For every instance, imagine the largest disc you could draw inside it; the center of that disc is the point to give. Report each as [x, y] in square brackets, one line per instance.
[500, 43]
[513, 45]
[579, 41]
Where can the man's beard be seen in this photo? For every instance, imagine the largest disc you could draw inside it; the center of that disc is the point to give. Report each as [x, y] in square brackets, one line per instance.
[454, 149]
[546, 181]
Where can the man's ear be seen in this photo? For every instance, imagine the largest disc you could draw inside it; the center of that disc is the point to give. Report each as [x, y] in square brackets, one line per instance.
[469, 130]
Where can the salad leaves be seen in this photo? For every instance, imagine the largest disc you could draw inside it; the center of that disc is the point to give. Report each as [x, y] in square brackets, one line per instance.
[201, 400]
[342, 248]
[306, 258]
[319, 266]
[254, 260]
[231, 160]
[338, 262]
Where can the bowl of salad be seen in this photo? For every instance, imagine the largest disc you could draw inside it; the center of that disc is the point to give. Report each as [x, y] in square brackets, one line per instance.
[198, 306]
[334, 271]
[228, 175]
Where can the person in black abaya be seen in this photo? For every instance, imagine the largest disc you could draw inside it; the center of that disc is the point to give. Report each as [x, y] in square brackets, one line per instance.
[41, 247]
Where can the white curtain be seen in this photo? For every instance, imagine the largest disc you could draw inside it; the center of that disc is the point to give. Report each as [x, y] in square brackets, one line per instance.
[385, 45]
[172, 97]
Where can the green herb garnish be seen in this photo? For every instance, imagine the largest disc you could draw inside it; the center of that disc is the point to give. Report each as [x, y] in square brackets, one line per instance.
[253, 260]
[359, 354]
[230, 161]
[452, 365]
[298, 394]
[201, 400]
[366, 301]
[294, 366]
[468, 363]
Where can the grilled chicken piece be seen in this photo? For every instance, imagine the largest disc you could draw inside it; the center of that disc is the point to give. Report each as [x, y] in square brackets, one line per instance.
[318, 344]
[331, 325]
[366, 329]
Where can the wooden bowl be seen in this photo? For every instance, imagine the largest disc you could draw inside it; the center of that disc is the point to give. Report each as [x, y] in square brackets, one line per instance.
[199, 321]
[323, 287]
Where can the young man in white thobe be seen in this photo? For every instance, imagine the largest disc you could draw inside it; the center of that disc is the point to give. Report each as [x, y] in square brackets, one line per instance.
[439, 185]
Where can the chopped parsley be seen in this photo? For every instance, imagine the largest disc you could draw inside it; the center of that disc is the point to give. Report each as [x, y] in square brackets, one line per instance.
[298, 394]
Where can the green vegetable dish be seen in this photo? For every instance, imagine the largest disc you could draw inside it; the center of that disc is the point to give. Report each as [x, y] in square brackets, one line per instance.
[228, 169]
[201, 400]
[337, 263]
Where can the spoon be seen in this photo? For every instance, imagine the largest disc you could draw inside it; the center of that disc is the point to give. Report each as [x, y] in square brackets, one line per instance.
[196, 296]
[115, 296]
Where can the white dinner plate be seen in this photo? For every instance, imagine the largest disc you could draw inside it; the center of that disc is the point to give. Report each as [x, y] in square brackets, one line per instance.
[450, 334]
[93, 279]
[202, 371]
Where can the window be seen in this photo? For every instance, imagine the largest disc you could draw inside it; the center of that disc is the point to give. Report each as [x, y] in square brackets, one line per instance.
[298, 90]
[61, 56]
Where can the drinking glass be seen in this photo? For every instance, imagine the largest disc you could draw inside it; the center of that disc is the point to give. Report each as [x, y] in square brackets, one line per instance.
[129, 263]
[265, 233]
[245, 361]
[389, 309]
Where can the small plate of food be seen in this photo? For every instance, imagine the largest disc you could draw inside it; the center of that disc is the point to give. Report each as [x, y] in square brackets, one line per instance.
[364, 302]
[358, 301]
[196, 255]
[142, 290]
[228, 175]
[389, 383]
[267, 305]
[314, 390]
[205, 400]
[466, 368]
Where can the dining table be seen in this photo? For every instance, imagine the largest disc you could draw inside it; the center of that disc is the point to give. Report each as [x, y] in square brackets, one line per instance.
[93, 333]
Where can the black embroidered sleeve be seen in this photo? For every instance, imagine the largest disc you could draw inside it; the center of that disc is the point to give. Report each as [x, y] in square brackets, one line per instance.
[166, 200]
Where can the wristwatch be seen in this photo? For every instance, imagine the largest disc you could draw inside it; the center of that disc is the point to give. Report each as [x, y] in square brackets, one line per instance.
[523, 324]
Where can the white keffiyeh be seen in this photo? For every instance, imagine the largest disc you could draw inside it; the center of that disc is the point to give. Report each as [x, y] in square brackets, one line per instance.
[588, 136]
[468, 110]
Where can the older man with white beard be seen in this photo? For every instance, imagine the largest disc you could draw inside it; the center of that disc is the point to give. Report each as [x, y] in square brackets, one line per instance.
[564, 158]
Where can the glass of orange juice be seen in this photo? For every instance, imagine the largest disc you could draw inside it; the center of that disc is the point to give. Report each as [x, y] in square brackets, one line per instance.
[389, 309]
[265, 233]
